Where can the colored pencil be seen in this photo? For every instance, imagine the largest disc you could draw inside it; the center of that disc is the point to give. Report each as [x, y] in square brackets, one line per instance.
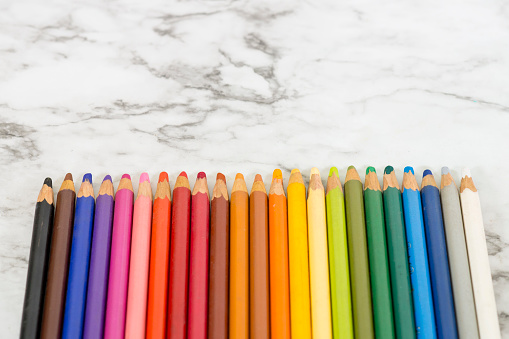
[114, 326]
[199, 260]
[137, 290]
[56, 286]
[358, 254]
[278, 259]
[418, 257]
[259, 300]
[219, 260]
[74, 314]
[239, 260]
[441, 289]
[179, 259]
[458, 258]
[404, 322]
[318, 258]
[38, 263]
[341, 299]
[482, 284]
[159, 261]
[97, 290]
[300, 304]
[378, 258]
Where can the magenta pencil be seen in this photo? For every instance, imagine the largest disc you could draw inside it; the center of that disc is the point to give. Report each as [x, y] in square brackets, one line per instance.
[119, 260]
[140, 257]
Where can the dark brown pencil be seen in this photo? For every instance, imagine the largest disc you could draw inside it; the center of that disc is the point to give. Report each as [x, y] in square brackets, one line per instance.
[219, 261]
[56, 285]
[38, 263]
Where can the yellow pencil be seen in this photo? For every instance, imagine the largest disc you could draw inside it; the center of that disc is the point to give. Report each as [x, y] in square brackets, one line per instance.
[300, 312]
[318, 259]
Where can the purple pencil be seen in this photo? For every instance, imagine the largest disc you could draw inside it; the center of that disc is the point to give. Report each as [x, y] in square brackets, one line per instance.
[99, 263]
[119, 260]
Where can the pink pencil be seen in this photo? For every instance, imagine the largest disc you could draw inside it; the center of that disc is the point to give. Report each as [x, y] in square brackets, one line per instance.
[140, 257]
[119, 260]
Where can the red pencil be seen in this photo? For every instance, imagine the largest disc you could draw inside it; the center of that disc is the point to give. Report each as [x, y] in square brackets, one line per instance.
[179, 259]
[199, 260]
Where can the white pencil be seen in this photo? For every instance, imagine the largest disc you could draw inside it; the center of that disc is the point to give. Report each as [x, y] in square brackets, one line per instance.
[484, 295]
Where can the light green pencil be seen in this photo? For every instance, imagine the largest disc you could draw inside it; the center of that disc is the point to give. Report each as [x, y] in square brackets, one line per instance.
[341, 300]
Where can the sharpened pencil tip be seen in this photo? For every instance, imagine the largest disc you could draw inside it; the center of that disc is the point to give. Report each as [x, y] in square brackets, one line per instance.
[295, 170]
[201, 175]
[426, 172]
[163, 176]
[445, 170]
[87, 177]
[351, 167]
[277, 174]
[388, 170]
[126, 176]
[183, 174]
[144, 177]
[220, 176]
[107, 177]
[239, 176]
[258, 177]
[409, 169]
[48, 182]
[315, 170]
[333, 170]
[465, 172]
[68, 176]
[370, 169]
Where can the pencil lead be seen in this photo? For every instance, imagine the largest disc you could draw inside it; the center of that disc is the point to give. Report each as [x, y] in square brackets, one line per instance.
[445, 170]
[183, 174]
[144, 177]
[258, 177]
[409, 169]
[163, 176]
[220, 176]
[370, 169]
[68, 176]
[87, 177]
[126, 176]
[239, 176]
[426, 172]
[107, 178]
[277, 174]
[333, 171]
[201, 175]
[48, 182]
[388, 170]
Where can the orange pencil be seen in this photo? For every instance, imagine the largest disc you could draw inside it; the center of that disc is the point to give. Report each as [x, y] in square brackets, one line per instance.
[278, 249]
[239, 260]
[159, 261]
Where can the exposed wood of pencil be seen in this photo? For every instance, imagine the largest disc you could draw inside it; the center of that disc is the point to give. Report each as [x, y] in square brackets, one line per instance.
[46, 193]
[106, 188]
[467, 183]
[333, 181]
[163, 190]
[447, 180]
[390, 180]
[125, 183]
[428, 180]
[409, 182]
[371, 182]
[145, 190]
[352, 174]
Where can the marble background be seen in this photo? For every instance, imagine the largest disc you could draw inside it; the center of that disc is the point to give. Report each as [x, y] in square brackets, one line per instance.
[132, 86]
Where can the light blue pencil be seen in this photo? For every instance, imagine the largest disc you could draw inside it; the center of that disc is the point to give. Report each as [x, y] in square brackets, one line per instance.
[418, 258]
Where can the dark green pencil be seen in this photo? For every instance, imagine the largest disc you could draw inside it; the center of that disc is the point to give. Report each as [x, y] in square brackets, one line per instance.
[358, 254]
[378, 261]
[404, 322]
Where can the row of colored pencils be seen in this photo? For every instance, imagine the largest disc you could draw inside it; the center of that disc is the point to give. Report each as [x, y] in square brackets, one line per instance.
[359, 262]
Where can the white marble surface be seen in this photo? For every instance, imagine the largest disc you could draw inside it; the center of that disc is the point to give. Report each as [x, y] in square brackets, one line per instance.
[132, 86]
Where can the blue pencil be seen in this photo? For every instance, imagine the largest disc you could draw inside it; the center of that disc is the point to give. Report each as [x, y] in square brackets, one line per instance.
[418, 258]
[78, 266]
[445, 316]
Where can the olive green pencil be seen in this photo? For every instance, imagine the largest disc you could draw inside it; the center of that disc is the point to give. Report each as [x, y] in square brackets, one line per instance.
[358, 253]
[404, 322]
[341, 300]
[378, 261]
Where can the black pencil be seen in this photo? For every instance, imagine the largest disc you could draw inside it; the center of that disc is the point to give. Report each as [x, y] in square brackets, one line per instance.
[38, 263]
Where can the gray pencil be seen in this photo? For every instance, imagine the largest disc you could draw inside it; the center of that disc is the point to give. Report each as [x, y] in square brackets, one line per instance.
[458, 258]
